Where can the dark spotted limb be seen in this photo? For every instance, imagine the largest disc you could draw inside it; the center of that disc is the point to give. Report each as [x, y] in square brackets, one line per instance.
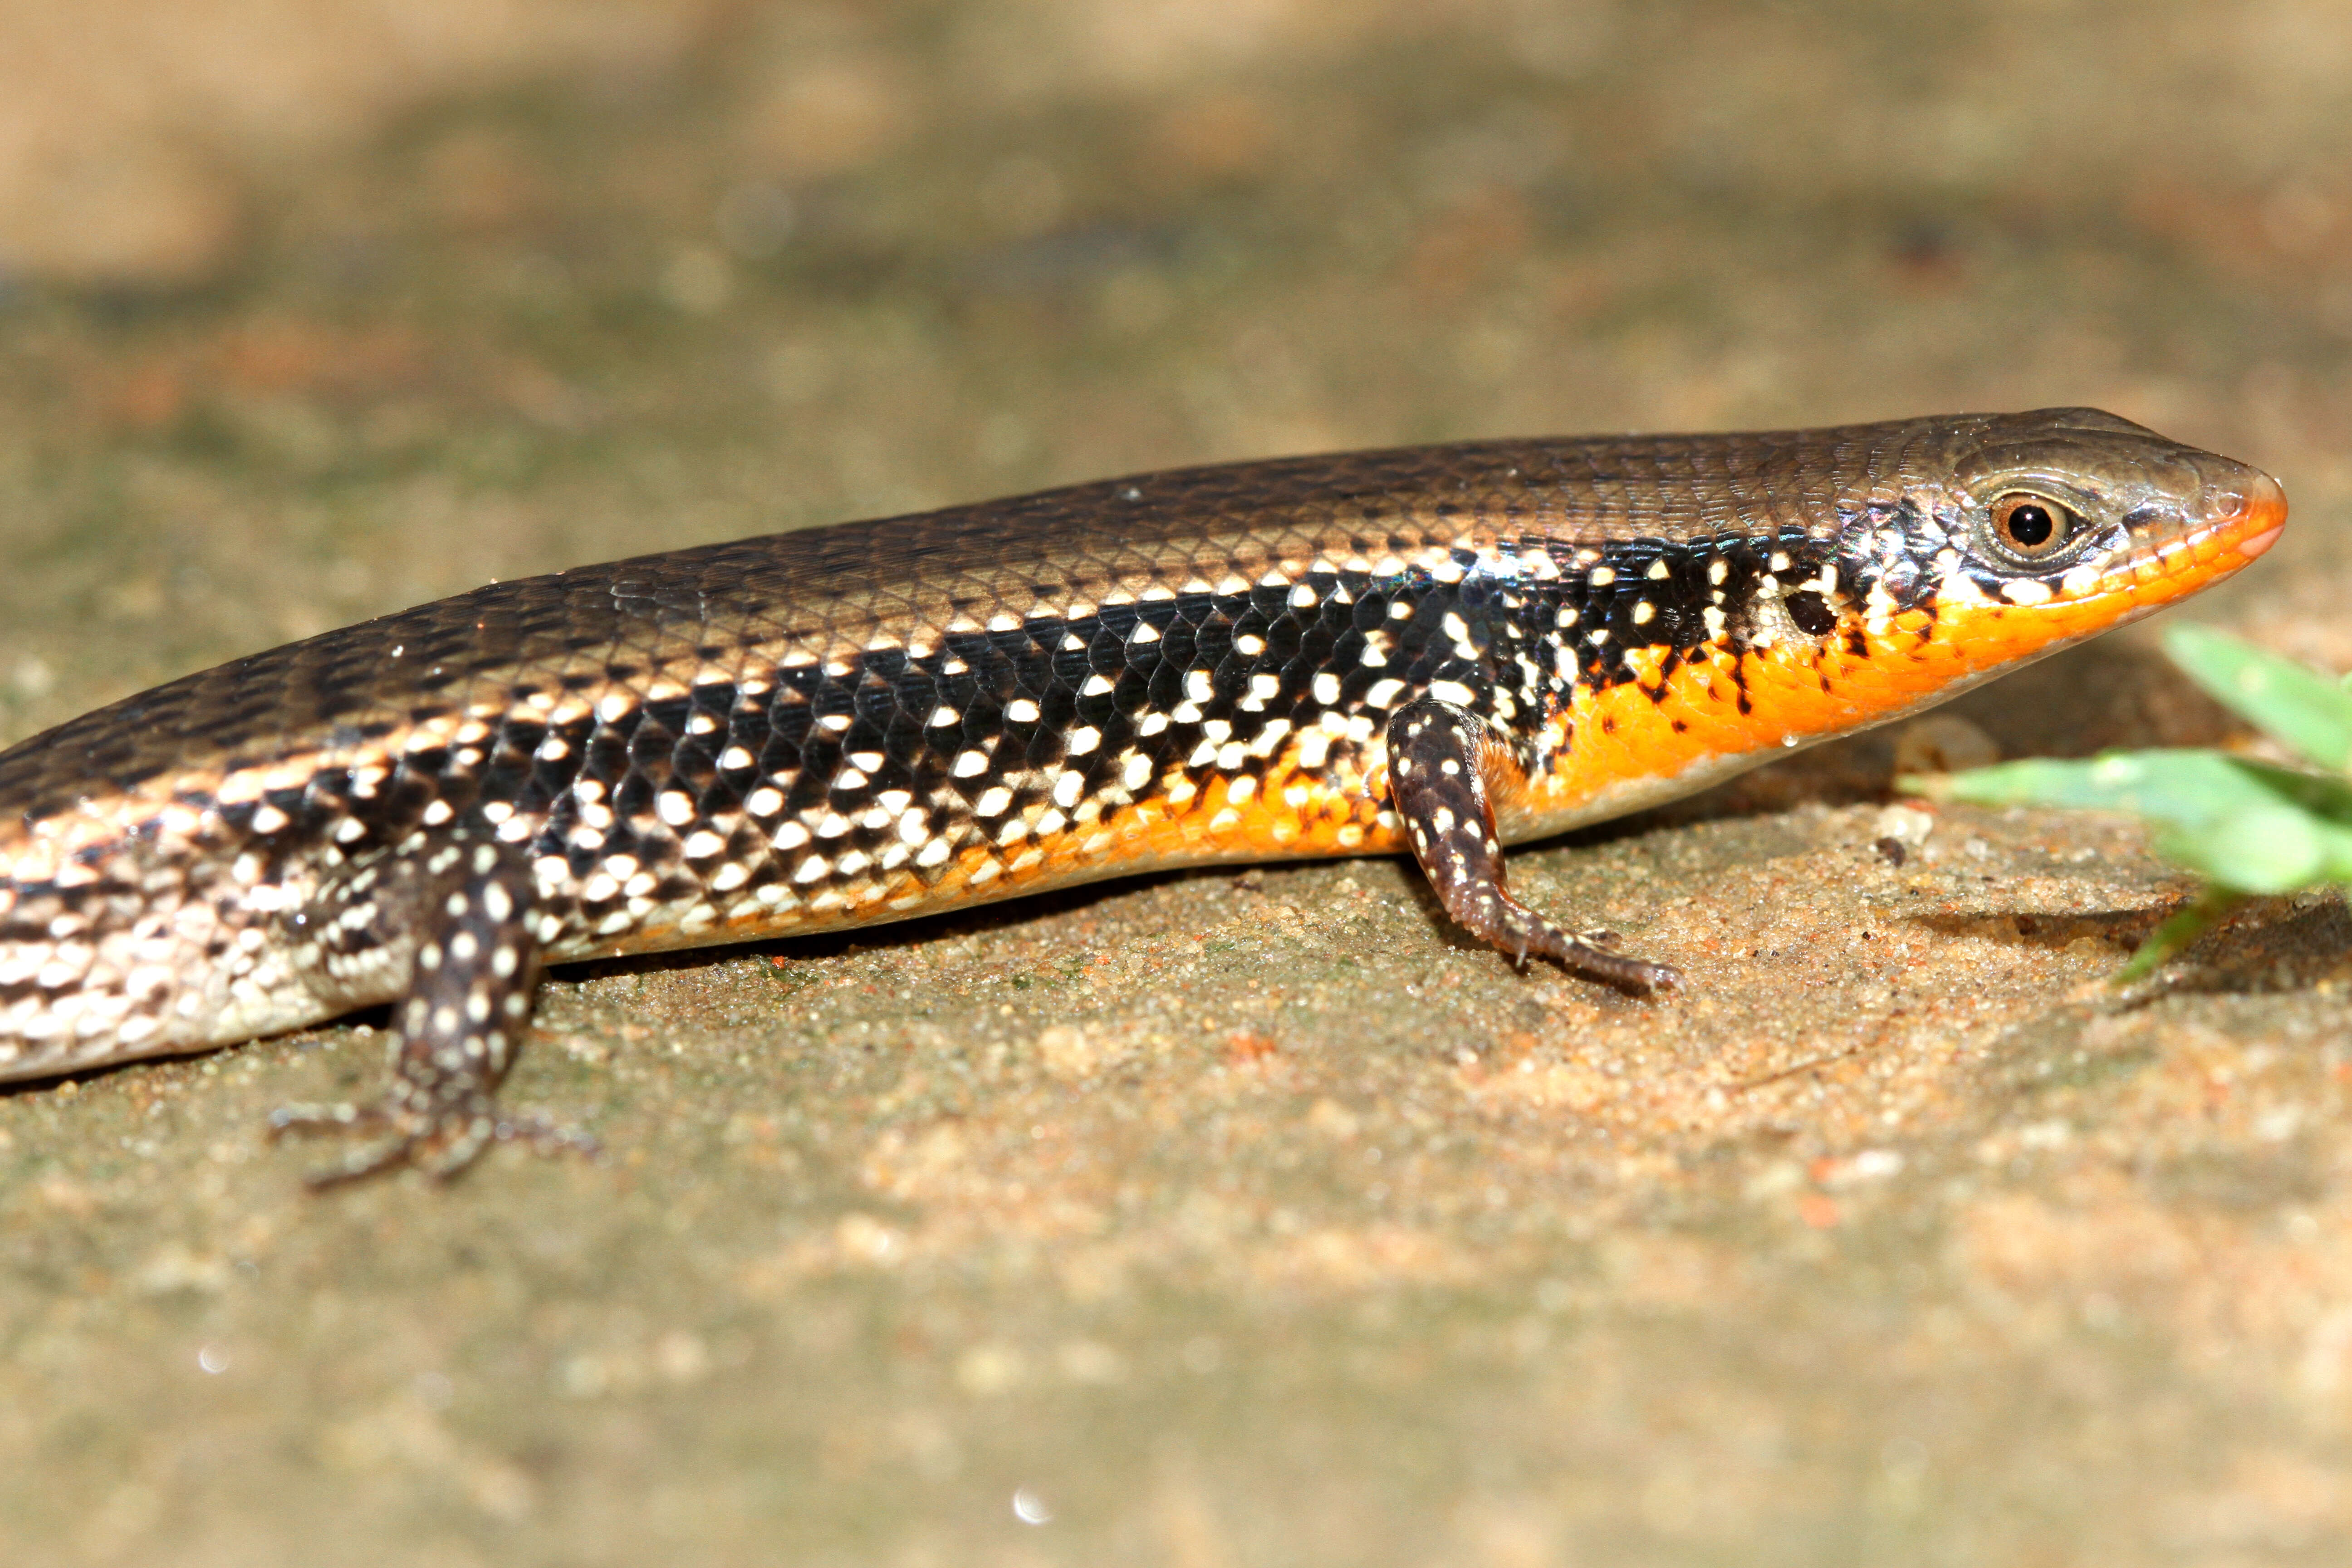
[1440, 757]
[465, 916]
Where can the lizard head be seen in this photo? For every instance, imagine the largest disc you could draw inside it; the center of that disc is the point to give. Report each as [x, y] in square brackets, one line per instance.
[2047, 527]
[1876, 570]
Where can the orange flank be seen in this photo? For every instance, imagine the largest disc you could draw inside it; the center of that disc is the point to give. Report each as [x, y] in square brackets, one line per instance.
[1296, 814]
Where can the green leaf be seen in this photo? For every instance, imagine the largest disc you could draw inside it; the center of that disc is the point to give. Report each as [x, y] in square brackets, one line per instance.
[2267, 849]
[2245, 827]
[2180, 788]
[2249, 825]
[2192, 922]
[2300, 707]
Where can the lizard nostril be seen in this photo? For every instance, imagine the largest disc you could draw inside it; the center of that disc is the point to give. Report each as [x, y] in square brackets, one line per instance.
[2257, 512]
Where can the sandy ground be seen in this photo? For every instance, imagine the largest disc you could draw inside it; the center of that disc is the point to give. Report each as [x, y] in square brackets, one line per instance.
[1213, 1220]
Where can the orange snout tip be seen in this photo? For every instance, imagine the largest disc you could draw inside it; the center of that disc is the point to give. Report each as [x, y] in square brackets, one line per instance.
[2262, 519]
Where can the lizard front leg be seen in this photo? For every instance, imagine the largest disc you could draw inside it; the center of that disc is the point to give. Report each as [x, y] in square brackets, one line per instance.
[1440, 760]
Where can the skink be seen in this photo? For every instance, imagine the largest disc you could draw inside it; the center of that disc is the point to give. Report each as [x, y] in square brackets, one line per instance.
[1436, 651]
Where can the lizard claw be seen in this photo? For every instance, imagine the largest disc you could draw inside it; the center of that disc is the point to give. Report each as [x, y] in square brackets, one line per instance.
[440, 1146]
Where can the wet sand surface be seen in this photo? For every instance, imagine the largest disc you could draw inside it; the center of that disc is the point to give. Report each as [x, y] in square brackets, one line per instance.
[1219, 1219]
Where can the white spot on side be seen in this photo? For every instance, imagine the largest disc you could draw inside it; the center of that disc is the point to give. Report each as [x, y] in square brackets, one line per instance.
[1270, 737]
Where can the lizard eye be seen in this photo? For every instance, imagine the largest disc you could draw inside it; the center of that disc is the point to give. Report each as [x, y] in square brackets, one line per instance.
[2031, 527]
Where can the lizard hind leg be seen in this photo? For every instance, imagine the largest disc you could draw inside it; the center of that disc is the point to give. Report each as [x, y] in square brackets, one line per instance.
[465, 913]
[1439, 759]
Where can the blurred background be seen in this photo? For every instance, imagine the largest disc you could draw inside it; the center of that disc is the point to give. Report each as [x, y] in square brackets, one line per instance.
[314, 308]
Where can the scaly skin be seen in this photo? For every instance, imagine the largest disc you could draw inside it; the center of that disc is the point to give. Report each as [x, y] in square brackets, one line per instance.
[1435, 650]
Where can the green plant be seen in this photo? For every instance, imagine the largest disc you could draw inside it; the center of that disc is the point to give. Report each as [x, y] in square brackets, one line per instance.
[2248, 827]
